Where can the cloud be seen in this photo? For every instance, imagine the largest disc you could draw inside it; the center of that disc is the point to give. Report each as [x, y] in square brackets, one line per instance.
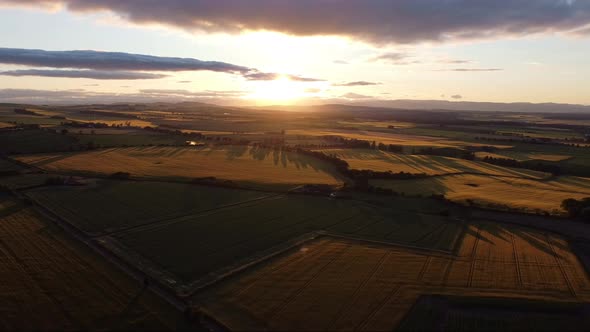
[184, 82]
[186, 93]
[352, 95]
[455, 61]
[357, 83]
[341, 62]
[395, 58]
[112, 61]
[456, 96]
[471, 69]
[313, 90]
[92, 74]
[377, 21]
[261, 76]
[119, 65]
[81, 96]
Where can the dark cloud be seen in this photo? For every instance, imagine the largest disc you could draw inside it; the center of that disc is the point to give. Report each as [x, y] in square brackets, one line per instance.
[357, 83]
[118, 65]
[456, 96]
[111, 61]
[92, 74]
[371, 20]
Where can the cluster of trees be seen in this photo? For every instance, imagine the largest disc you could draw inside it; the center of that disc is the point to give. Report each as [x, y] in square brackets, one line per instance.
[25, 112]
[535, 166]
[577, 208]
[363, 144]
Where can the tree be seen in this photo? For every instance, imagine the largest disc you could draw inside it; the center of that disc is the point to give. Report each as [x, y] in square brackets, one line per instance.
[64, 131]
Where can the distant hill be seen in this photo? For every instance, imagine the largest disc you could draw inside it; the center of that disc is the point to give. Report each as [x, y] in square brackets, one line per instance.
[478, 106]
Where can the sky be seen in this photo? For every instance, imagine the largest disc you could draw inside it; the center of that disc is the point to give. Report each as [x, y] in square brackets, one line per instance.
[266, 52]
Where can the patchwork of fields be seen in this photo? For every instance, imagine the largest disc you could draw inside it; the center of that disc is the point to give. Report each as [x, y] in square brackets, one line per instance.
[50, 282]
[333, 284]
[377, 160]
[527, 194]
[257, 167]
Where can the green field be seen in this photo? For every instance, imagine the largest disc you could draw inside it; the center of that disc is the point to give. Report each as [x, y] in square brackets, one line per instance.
[8, 166]
[34, 140]
[103, 206]
[248, 165]
[457, 313]
[123, 137]
[192, 247]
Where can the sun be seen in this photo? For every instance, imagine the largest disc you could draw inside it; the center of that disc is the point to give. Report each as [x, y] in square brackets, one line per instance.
[281, 90]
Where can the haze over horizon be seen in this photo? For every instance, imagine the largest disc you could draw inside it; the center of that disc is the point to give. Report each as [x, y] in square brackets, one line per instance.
[295, 53]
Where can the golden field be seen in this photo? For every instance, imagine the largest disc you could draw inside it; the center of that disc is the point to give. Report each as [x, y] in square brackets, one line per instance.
[50, 282]
[390, 138]
[244, 164]
[340, 284]
[522, 193]
[521, 156]
[377, 160]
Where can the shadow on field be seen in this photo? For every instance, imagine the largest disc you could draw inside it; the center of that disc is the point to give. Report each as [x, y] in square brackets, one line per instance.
[536, 240]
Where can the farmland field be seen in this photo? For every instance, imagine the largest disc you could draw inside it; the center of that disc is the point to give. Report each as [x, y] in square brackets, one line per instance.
[520, 156]
[333, 284]
[224, 237]
[454, 313]
[7, 166]
[24, 180]
[112, 205]
[112, 138]
[35, 140]
[50, 282]
[528, 194]
[408, 140]
[248, 165]
[377, 160]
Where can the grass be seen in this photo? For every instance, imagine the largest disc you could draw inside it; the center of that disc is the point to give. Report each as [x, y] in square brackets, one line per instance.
[50, 282]
[34, 140]
[112, 205]
[527, 194]
[227, 236]
[128, 139]
[334, 284]
[7, 166]
[24, 180]
[249, 166]
[377, 160]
